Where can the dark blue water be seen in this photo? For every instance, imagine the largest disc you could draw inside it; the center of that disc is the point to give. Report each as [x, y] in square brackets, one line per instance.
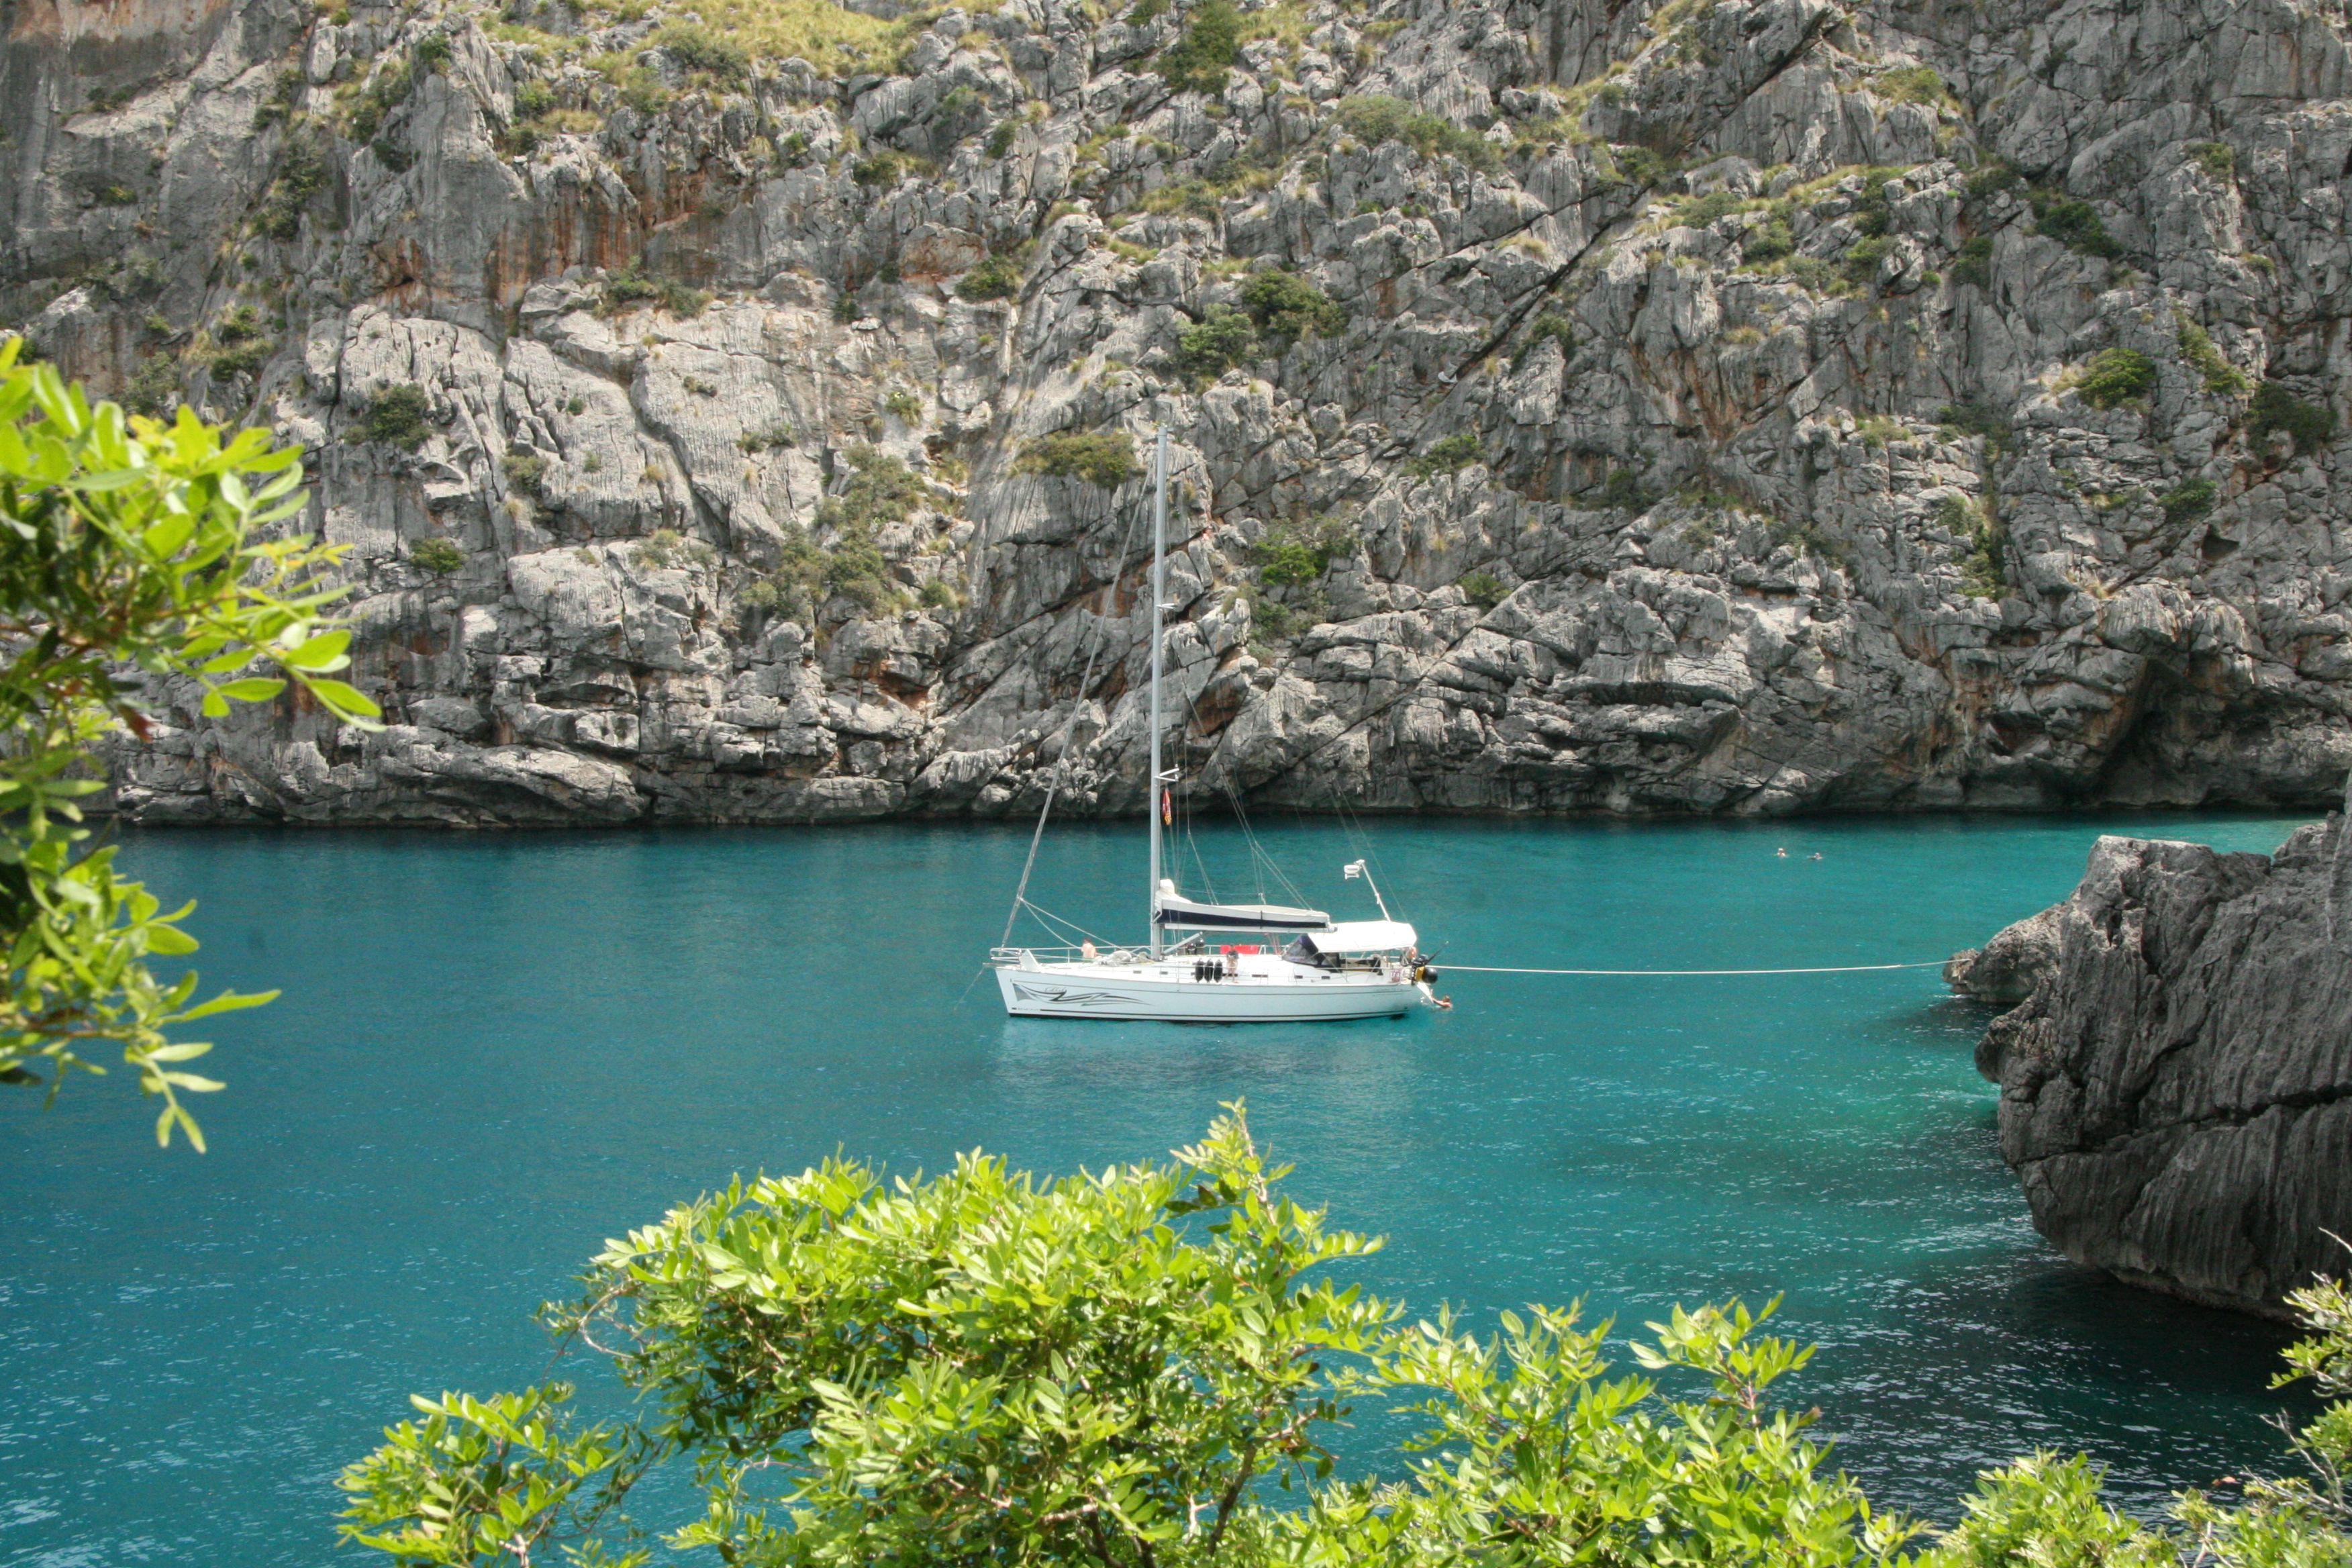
[495, 1052]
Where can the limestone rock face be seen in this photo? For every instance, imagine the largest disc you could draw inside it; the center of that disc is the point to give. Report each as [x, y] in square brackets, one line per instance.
[2177, 1091]
[2011, 964]
[1744, 407]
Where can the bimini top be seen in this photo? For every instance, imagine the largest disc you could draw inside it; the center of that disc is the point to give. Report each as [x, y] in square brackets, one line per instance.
[1362, 936]
[1190, 915]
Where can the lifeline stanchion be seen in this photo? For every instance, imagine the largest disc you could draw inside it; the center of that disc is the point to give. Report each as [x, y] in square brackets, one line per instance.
[1836, 969]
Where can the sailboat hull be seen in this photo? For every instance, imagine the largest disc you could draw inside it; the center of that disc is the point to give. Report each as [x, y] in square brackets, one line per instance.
[1166, 991]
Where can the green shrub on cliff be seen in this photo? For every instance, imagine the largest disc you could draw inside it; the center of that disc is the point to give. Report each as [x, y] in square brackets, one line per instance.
[629, 287]
[397, 416]
[1377, 118]
[303, 175]
[2220, 376]
[1482, 589]
[881, 490]
[835, 39]
[2072, 222]
[526, 474]
[994, 278]
[2186, 503]
[438, 555]
[700, 49]
[1211, 46]
[133, 549]
[1293, 555]
[665, 549]
[2117, 376]
[1219, 341]
[1105, 457]
[154, 388]
[235, 344]
[1910, 84]
[1974, 264]
[2218, 159]
[807, 575]
[1548, 327]
[1628, 489]
[2276, 408]
[1983, 546]
[1769, 241]
[1287, 307]
[368, 106]
[1859, 266]
[1452, 455]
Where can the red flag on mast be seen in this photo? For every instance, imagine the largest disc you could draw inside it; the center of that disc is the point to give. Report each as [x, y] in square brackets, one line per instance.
[1167, 808]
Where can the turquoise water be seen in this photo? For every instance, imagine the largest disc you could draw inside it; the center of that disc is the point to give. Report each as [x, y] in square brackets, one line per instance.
[493, 1052]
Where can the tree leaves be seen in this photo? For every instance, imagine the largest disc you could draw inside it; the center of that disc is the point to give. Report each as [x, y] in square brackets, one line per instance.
[1108, 1369]
[980, 1366]
[126, 544]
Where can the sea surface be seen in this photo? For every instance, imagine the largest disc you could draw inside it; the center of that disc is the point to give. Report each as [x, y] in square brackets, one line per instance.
[493, 1052]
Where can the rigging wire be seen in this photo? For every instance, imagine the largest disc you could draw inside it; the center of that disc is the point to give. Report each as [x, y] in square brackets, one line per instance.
[1069, 727]
[1351, 832]
[1208, 883]
[1263, 862]
[1249, 840]
[1830, 969]
[1185, 811]
[1048, 919]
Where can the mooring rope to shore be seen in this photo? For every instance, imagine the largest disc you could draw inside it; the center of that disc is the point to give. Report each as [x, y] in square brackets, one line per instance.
[1445, 968]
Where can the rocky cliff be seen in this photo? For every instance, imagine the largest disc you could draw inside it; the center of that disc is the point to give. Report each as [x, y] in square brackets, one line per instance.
[2176, 1089]
[733, 411]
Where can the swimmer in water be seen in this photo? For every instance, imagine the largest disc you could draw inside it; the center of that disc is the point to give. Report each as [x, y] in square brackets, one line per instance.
[1783, 854]
[1814, 855]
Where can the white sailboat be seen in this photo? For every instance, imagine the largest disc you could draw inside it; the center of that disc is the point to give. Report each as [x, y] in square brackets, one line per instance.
[1304, 966]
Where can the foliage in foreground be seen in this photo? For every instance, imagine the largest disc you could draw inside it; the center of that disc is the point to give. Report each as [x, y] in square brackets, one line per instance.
[129, 551]
[1137, 1368]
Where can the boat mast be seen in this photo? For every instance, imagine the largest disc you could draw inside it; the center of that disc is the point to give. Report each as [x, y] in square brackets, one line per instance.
[1159, 593]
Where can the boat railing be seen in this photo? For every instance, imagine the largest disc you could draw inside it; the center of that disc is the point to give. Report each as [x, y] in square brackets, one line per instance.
[1069, 954]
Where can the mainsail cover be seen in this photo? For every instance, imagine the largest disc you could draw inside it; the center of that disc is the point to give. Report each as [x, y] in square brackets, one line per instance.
[1179, 913]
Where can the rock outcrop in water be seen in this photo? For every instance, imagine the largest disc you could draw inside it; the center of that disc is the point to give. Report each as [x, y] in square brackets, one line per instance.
[1753, 406]
[2177, 1090]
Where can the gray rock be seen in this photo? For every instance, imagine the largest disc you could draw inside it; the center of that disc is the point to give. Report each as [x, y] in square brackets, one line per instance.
[2008, 968]
[1600, 516]
[2177, 1090]
[454, 716]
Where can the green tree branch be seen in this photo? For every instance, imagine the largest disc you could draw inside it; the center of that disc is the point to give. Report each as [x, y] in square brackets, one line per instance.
[131, 552]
